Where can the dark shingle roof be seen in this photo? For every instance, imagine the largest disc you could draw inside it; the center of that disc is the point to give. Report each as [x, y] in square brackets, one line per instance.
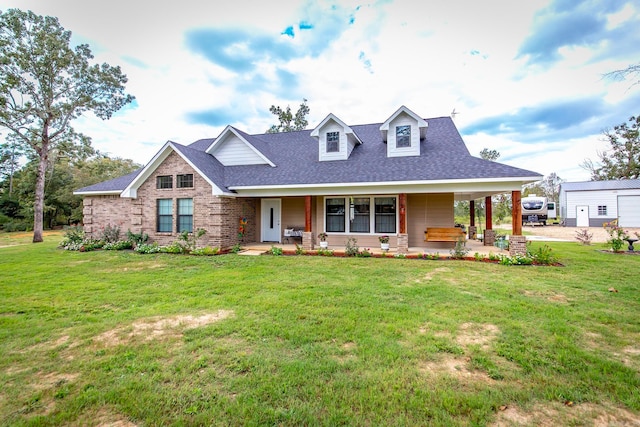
[116, 184]
[444, 156]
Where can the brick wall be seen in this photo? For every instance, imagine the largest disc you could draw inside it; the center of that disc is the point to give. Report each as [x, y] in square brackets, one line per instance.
[219, 216]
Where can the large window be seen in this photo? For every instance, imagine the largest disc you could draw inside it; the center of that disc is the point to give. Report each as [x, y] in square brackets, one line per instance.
[184, 181]
[335, 215]
[403, 136]
[361, 215]
[164, 181]
[333, 142]
[165, 215]
[385, 214]
[360, 222]
[185, 215]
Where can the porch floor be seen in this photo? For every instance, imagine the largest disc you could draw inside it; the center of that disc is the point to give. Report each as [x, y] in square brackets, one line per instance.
[474, 246]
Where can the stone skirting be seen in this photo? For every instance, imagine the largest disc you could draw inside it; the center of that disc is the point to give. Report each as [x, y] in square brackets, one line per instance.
[403, 244]
[489, 237]
[307, 240]
[473, 232]
[517, 245]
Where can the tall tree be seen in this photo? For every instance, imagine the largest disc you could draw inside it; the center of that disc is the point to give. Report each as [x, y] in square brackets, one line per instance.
[549, 187]
[10, 154]
[288, 121]
[44, 85]
[622, 160]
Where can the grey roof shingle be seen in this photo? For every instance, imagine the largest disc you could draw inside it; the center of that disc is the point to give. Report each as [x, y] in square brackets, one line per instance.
[444, 156]
[116, 184]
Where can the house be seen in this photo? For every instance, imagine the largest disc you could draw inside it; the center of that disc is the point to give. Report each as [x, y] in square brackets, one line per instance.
[592, 203]
[396, 178]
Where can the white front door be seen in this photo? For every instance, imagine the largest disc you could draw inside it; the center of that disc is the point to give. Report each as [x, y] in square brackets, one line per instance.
[582, 216]
[270, 209]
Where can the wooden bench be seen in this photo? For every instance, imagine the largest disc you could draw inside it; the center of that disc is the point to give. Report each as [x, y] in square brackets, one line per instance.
[444, 234]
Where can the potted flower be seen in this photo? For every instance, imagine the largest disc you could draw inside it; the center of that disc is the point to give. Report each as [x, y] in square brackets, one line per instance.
[384, 242]
[323, 240]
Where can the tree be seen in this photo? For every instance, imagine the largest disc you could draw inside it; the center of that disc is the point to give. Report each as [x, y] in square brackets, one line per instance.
[631, 71]
[10, 153]
[286, 117]
[548, 187]
[44, 85]
[491, 155]
[622, 161]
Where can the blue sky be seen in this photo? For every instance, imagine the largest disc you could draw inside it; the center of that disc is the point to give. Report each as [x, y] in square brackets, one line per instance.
[525, 77]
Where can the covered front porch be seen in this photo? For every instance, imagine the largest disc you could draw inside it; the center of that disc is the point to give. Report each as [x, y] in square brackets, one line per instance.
[414, 214]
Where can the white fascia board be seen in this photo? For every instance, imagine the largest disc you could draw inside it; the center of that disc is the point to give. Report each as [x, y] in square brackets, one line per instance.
[97, 193]
[458, 186]
[223, 136]
[421, 122]
[316, 131]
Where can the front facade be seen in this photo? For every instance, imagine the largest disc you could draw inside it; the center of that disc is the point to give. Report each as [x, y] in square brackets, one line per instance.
[395, 178]
[593, 203]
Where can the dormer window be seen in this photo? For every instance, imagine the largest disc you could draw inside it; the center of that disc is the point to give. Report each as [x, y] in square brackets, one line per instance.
[333, 142]
[403, 136]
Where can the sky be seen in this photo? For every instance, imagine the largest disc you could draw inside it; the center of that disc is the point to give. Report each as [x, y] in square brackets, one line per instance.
[525, 78]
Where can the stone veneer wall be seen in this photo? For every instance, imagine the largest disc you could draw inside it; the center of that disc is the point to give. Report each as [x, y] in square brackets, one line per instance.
[219, 216]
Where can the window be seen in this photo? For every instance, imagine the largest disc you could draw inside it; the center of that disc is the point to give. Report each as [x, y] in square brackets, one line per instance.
[164, 181]
[403, 136]
[333, 142]
[602, 210]
[184, 181]
[356, 215]
[335, 215]
[165, 215]
[185, 215]
[385, 214]
[360, 223]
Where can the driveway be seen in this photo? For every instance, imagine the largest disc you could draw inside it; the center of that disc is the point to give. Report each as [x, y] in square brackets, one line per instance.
[558, 233]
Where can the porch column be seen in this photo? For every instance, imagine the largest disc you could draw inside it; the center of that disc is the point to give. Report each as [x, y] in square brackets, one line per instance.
[517, 242]
[489, 233]
[473, 230]
[307, 235]
[403, 237]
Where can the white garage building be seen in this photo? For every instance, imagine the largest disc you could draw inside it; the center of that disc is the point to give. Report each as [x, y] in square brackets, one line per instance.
[592, 203]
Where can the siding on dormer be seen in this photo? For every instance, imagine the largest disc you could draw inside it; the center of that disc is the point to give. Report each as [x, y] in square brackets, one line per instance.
[234, 152]
[414, 150]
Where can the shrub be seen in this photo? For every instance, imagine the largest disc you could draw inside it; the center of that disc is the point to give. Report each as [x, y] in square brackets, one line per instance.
[479, 256]
[351, 247]
[17, 225]
[616, 235]
[236, 248]
[325, 252]
[365, 253]
[187, 241]
[110, 234]
[299, 250]
[544, 256]
[148, 248]
[137, 238]
[206, 251]
[118, 246]
[275, 250]
[460, 250]
[584, 237]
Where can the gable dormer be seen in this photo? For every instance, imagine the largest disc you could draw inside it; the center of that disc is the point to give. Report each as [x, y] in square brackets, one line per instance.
[235, 148]
[402, 132]
[336, 140]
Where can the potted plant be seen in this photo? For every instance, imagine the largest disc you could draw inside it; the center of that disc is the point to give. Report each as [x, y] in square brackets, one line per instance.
[384, 242]
[323, 240]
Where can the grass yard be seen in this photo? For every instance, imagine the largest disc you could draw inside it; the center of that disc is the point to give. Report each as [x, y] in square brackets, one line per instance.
[117, 338]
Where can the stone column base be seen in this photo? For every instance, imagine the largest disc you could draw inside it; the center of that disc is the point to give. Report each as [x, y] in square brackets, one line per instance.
[489, 237]
[307, 240]
[517, 245]
[473, 232]
[403, 244]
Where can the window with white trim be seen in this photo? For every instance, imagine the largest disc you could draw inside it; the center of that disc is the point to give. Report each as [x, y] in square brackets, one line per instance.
[185, 215]
[602, 210]
[333, 142]
[164, 222]
[403, 136]
[355, 215]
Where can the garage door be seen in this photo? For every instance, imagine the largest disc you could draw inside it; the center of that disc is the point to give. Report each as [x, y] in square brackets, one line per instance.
[629, 211]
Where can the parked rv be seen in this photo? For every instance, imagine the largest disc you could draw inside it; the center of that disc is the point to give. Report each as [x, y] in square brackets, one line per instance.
[535, 210]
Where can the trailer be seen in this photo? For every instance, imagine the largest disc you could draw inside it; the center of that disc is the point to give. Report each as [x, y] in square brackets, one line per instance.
[535, 210]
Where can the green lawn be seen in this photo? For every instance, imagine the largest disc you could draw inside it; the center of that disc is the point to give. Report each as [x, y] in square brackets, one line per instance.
[116, 337]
